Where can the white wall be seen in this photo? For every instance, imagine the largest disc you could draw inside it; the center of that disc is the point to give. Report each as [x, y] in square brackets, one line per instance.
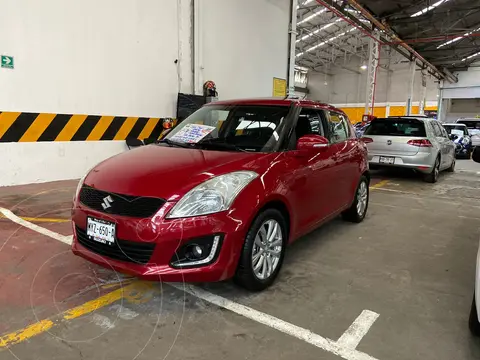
[109, 57]
[24, 163]
[244, 45]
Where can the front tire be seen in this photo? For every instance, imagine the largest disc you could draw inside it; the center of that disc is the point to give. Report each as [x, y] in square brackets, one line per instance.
[357, 212]
[473, 323]
[263, 251]
[432, 177]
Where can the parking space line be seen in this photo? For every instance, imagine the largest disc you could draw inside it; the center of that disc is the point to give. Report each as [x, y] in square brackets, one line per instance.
[345, 347]
[354, 334]
[11, 216]
[379, 185]
[134, 293]
[35, 219]
[334, 347]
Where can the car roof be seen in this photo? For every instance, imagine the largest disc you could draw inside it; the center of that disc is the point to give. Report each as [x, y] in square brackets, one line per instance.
[468, 119]
[455, 124]
[278, 102]
[408, 118]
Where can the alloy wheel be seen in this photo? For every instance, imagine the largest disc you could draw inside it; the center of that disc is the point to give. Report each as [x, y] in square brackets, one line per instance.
[267, 249]
[362, 198]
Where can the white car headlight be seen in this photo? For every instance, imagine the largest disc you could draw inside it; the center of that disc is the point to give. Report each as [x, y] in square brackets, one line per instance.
[212, 196]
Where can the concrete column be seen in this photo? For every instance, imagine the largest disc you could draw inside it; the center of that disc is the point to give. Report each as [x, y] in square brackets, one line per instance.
[291, 56]
[411, 88]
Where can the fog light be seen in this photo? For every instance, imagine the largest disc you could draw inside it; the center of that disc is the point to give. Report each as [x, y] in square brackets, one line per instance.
[201, 251]
[197, 251]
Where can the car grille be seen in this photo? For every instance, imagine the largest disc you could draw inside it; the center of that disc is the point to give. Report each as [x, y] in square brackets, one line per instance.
[129, 251]
[124, 205]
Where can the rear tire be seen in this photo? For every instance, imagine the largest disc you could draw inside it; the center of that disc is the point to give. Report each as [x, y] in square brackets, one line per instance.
[452, 167]
[473, 323]
[257, 249]
[357, 212]
[432, 177]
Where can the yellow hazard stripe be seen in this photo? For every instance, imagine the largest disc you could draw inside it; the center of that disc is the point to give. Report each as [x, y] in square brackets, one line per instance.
[37, 128]
[126, 128]
[147, 130]
[71, 128]
[6, 120]
[100, 128]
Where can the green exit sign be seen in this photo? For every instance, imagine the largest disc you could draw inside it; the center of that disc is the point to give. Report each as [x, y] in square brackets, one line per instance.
[6, 62]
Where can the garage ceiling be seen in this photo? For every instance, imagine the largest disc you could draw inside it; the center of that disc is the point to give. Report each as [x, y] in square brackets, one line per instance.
[444, 32]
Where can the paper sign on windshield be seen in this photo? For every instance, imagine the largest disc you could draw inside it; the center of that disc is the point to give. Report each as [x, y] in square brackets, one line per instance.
[192, 133]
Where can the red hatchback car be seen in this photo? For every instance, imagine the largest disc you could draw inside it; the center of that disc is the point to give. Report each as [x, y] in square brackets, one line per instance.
[224, 193]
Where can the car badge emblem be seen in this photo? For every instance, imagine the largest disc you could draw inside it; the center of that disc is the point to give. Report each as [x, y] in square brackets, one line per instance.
[389, 142]
[107, 202]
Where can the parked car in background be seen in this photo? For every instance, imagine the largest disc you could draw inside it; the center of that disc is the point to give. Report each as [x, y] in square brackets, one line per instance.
[223, 193]
[459, 134]
[474, 319]
[420, 144]
[473, 125]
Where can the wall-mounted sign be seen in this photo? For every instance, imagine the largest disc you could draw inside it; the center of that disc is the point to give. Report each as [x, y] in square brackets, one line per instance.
[6, 62]
[279, 87]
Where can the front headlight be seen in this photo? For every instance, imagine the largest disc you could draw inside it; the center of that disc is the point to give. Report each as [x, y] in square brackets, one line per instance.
[79, 186]
[212, 196]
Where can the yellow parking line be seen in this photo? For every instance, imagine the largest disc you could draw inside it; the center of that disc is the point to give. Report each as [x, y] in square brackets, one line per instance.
[136, 293]
[34, 219]
[379, 184]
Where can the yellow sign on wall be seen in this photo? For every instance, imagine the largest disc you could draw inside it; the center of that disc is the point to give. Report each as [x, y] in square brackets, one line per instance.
[279, 87]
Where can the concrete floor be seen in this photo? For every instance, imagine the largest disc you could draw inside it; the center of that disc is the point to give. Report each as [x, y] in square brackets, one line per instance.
[411, 261]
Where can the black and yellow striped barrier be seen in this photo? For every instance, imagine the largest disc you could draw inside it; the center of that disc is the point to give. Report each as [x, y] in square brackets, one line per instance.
[32, 127]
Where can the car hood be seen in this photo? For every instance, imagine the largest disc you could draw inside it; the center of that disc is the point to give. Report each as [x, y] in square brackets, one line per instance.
[168, 172]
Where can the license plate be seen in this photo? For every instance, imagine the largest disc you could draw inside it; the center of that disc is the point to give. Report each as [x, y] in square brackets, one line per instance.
[101, 231]
[387, 160]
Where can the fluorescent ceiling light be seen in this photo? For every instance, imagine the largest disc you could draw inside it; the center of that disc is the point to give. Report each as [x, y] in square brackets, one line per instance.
[305, 3]
[310, 17]
[305, 37]
[471, 56]
[364, 67]
[428, 8]
[457, 38]
[326, 41]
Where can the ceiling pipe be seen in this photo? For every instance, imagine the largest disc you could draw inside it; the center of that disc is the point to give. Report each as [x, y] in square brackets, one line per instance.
[391, 33]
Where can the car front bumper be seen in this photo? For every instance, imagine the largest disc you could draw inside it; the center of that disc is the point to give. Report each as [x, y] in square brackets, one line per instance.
[167, 236]
[422, 162]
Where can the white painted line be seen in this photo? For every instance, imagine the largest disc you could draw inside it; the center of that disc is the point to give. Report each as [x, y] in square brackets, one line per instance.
[331, 346]
[41, 230]
[354, 334]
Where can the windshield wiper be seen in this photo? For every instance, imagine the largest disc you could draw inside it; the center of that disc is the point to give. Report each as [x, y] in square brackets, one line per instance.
[220, 144]
[176, 143]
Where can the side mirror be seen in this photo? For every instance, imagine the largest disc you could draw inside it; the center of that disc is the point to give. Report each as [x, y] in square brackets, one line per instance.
[476, 154]
[453, 137]
[312, 142]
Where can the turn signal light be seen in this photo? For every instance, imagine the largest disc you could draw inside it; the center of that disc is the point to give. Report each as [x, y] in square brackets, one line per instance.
[366, 140]
[420, 143]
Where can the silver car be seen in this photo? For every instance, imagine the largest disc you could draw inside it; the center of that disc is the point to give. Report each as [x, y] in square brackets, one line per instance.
[473, 126]
[421, 144]
[474, 320]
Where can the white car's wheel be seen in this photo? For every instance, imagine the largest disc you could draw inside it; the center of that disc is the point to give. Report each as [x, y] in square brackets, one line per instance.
[473, 322]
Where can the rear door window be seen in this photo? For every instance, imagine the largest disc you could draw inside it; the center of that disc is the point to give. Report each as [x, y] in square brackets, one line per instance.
[396, 127]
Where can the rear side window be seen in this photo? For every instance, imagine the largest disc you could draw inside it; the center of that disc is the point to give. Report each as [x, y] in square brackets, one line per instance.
[436, 129]
[396, 127]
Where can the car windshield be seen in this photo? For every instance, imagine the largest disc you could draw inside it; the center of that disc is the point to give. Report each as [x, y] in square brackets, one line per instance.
[256, 128]
[396, 127]
[456, 130]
